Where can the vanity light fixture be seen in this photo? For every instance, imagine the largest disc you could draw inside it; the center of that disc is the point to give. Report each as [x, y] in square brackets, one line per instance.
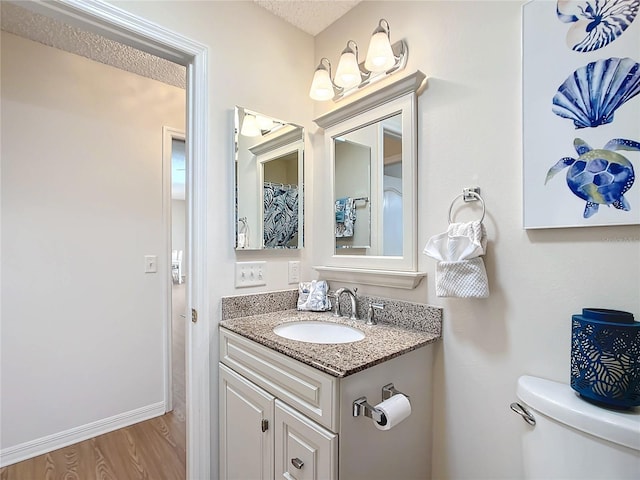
[383, 59]
[256, 125]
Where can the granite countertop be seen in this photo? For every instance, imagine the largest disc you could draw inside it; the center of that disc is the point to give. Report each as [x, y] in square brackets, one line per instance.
[382, 342]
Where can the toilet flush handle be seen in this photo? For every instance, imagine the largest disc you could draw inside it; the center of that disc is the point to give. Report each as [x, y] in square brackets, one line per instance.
[526, 415]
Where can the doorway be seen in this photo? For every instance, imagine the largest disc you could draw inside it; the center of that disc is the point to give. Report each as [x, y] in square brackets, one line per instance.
[117, 24]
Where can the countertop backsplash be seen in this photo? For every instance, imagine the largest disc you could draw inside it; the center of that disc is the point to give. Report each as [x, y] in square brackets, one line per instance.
[256, 303]
[413, 316]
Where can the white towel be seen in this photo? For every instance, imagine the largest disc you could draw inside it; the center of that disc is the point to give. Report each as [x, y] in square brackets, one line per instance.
[460, 271]
[463, 279]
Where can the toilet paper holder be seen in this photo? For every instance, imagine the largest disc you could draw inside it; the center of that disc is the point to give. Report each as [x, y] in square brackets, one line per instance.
[362, 407]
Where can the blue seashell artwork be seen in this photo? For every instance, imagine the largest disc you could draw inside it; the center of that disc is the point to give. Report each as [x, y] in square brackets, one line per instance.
[596, 23]
[602, 176]
[591, 94]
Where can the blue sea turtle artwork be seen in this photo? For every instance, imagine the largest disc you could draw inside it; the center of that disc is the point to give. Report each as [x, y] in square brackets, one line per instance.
[601, 176]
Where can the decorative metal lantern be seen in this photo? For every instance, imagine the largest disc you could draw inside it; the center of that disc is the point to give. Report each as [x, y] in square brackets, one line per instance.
[605, 357]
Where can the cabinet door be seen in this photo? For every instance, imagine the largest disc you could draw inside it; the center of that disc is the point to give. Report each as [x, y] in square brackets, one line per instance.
[246, 433]
[304, 449]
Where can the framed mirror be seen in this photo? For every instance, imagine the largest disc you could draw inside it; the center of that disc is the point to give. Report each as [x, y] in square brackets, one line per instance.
[269, 190]
[371, 215]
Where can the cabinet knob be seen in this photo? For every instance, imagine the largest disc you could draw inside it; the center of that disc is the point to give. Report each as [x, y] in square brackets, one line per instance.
[296, 462]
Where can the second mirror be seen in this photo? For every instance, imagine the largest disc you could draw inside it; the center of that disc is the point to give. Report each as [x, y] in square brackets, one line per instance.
[269, 158]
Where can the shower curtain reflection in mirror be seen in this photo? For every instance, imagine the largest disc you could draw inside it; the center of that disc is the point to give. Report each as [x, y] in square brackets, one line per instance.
[280, 215]
[281, 199]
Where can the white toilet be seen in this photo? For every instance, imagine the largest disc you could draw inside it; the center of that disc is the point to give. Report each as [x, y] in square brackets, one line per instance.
[574, 439]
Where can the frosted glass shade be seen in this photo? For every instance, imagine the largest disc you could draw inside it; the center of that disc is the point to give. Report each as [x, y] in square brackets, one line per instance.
[321, 86]
[380, 55]
[348, 72]
[250, 126]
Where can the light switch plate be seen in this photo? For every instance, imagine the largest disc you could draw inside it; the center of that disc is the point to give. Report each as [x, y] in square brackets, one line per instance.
[250, 274]
[150, 263]
[294, 271]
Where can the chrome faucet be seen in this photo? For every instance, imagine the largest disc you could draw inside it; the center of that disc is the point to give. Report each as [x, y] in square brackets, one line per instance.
[352, 296]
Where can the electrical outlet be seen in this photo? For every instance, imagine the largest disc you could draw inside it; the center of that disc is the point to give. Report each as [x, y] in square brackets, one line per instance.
[250, 274]
[294, 271]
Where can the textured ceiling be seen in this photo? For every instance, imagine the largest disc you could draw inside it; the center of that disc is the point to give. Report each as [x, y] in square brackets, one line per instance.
[311, 16]
[45, 30]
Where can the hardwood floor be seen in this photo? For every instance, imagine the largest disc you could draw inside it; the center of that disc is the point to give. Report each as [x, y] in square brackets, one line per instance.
[154, 449]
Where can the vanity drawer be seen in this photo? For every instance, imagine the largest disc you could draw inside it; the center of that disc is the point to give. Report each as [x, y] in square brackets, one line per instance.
[310, 391]
[304, 450]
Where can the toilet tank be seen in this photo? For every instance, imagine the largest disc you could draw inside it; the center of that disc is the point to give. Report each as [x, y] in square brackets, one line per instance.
[574, 439]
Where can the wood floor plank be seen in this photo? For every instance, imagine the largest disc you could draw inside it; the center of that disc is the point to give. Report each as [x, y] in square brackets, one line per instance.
[49, 467]
[72, 463]
[100, 469]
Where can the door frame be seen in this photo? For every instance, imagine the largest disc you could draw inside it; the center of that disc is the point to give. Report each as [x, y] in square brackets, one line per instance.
[116, 24]
[169, 134]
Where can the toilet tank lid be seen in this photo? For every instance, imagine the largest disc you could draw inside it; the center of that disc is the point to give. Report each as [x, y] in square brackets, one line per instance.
[560, 402]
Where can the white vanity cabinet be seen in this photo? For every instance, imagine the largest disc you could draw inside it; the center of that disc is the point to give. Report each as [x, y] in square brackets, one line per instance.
[246, 418]
[283, 419]
[251, 420]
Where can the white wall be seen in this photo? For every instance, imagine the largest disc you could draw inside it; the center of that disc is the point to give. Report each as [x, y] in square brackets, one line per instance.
[82, 334]
[470, 134]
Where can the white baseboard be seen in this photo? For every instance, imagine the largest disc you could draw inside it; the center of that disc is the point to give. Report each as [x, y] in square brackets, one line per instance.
[42, 445]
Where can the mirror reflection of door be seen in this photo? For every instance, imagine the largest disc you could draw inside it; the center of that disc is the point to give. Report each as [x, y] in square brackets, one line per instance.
[280, 201]
[368, 189]
[352, 190]
[392, 217]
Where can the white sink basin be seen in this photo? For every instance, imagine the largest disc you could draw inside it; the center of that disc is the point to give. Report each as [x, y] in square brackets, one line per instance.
[318, 332]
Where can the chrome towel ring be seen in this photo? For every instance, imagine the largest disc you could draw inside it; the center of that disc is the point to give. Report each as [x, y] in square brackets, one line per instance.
[469, 195]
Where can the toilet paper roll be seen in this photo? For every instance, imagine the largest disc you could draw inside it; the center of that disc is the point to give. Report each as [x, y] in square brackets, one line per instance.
[395, 410]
